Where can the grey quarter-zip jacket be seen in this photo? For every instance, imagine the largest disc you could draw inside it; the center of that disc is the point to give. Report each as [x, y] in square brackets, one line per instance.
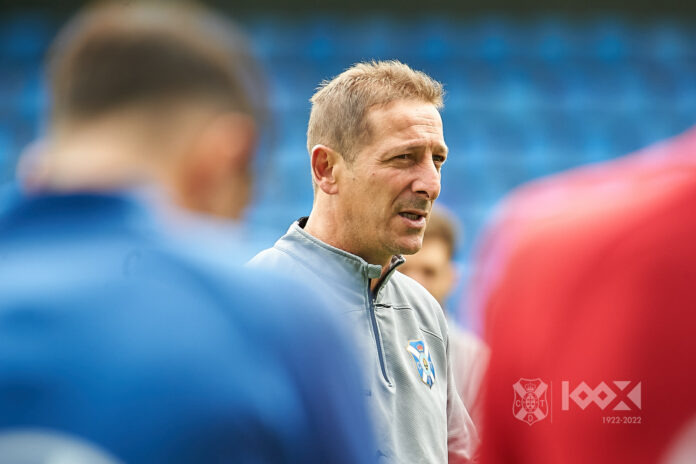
[400, 340]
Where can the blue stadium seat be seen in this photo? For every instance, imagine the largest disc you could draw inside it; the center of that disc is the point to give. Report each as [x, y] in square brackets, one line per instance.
[668, 40]
[550, 39]
[609, 38]
[25, 36]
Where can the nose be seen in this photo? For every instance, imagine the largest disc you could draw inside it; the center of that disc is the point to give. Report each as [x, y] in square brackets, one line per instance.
[427, 180]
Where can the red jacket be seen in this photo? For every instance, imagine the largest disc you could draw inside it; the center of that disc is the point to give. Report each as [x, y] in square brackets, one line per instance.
[590, 276]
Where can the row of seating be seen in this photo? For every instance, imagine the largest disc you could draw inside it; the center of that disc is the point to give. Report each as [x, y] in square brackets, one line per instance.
[435, 36]
[525, 97]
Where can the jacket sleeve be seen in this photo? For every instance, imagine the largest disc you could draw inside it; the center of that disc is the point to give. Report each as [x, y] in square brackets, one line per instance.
[462, 436]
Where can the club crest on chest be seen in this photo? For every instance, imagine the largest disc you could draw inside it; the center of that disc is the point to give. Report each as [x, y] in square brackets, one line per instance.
[424, 363]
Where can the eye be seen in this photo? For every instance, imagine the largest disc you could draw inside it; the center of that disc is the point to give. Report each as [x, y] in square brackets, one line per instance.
[439, 159]
[403, 156]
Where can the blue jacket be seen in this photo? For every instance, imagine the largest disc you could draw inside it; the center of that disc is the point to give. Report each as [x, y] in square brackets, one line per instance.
[113, 333]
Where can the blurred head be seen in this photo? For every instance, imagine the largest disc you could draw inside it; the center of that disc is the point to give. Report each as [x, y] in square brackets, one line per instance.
[432, 266]
[376, 144]
[162, 92]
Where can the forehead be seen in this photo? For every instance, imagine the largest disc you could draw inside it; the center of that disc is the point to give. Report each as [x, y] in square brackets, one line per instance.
[404, 121]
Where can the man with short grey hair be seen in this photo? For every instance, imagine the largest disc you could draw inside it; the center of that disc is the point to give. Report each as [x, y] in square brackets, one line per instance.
[376, 149]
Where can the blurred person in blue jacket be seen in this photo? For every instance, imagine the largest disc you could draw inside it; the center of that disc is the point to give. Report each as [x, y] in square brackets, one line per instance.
[113, 332]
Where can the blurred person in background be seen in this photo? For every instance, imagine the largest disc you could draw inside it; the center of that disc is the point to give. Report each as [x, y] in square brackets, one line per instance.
[587, 283]
[115, 334]
[434, 268]
[376, 148]
[205, 182]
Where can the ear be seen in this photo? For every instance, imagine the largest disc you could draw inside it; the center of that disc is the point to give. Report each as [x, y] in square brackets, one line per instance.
[226, 144]
[325, 167]
[215, 176]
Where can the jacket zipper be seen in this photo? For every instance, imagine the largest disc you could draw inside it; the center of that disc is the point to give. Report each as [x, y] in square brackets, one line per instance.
[375, 330]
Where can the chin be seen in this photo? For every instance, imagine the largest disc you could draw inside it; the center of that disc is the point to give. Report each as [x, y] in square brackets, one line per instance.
[408, 248]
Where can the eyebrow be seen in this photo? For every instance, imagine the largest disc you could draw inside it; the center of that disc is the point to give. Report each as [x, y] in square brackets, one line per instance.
[437, 149]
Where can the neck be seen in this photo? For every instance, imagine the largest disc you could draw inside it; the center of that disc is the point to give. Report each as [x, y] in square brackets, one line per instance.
[101, 156]
[327, 226]
[78, 166]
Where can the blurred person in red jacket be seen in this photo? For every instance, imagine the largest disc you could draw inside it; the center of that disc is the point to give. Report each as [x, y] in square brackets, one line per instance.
[588, 283]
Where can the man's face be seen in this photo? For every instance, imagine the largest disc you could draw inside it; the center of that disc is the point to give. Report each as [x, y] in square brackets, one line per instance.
[432, 268]
[388, 191]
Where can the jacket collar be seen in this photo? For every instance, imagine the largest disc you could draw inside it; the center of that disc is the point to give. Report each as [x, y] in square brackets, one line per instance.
[331, 262]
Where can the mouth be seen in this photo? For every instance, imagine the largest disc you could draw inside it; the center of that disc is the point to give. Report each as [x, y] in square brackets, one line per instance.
[414, 218]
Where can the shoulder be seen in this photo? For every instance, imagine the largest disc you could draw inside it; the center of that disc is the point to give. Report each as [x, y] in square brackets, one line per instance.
[630, 221]
[601, 218]
[409, 292]
[414, 291]
[564, 224]
[284, 260]
[285, 254]
[599, 199]
[269, 258]
[268, 298]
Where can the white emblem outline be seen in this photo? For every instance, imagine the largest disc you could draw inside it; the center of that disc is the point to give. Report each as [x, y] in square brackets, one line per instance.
[526, 391]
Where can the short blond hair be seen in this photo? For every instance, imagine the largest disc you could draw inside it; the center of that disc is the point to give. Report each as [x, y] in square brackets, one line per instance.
[340, 105]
